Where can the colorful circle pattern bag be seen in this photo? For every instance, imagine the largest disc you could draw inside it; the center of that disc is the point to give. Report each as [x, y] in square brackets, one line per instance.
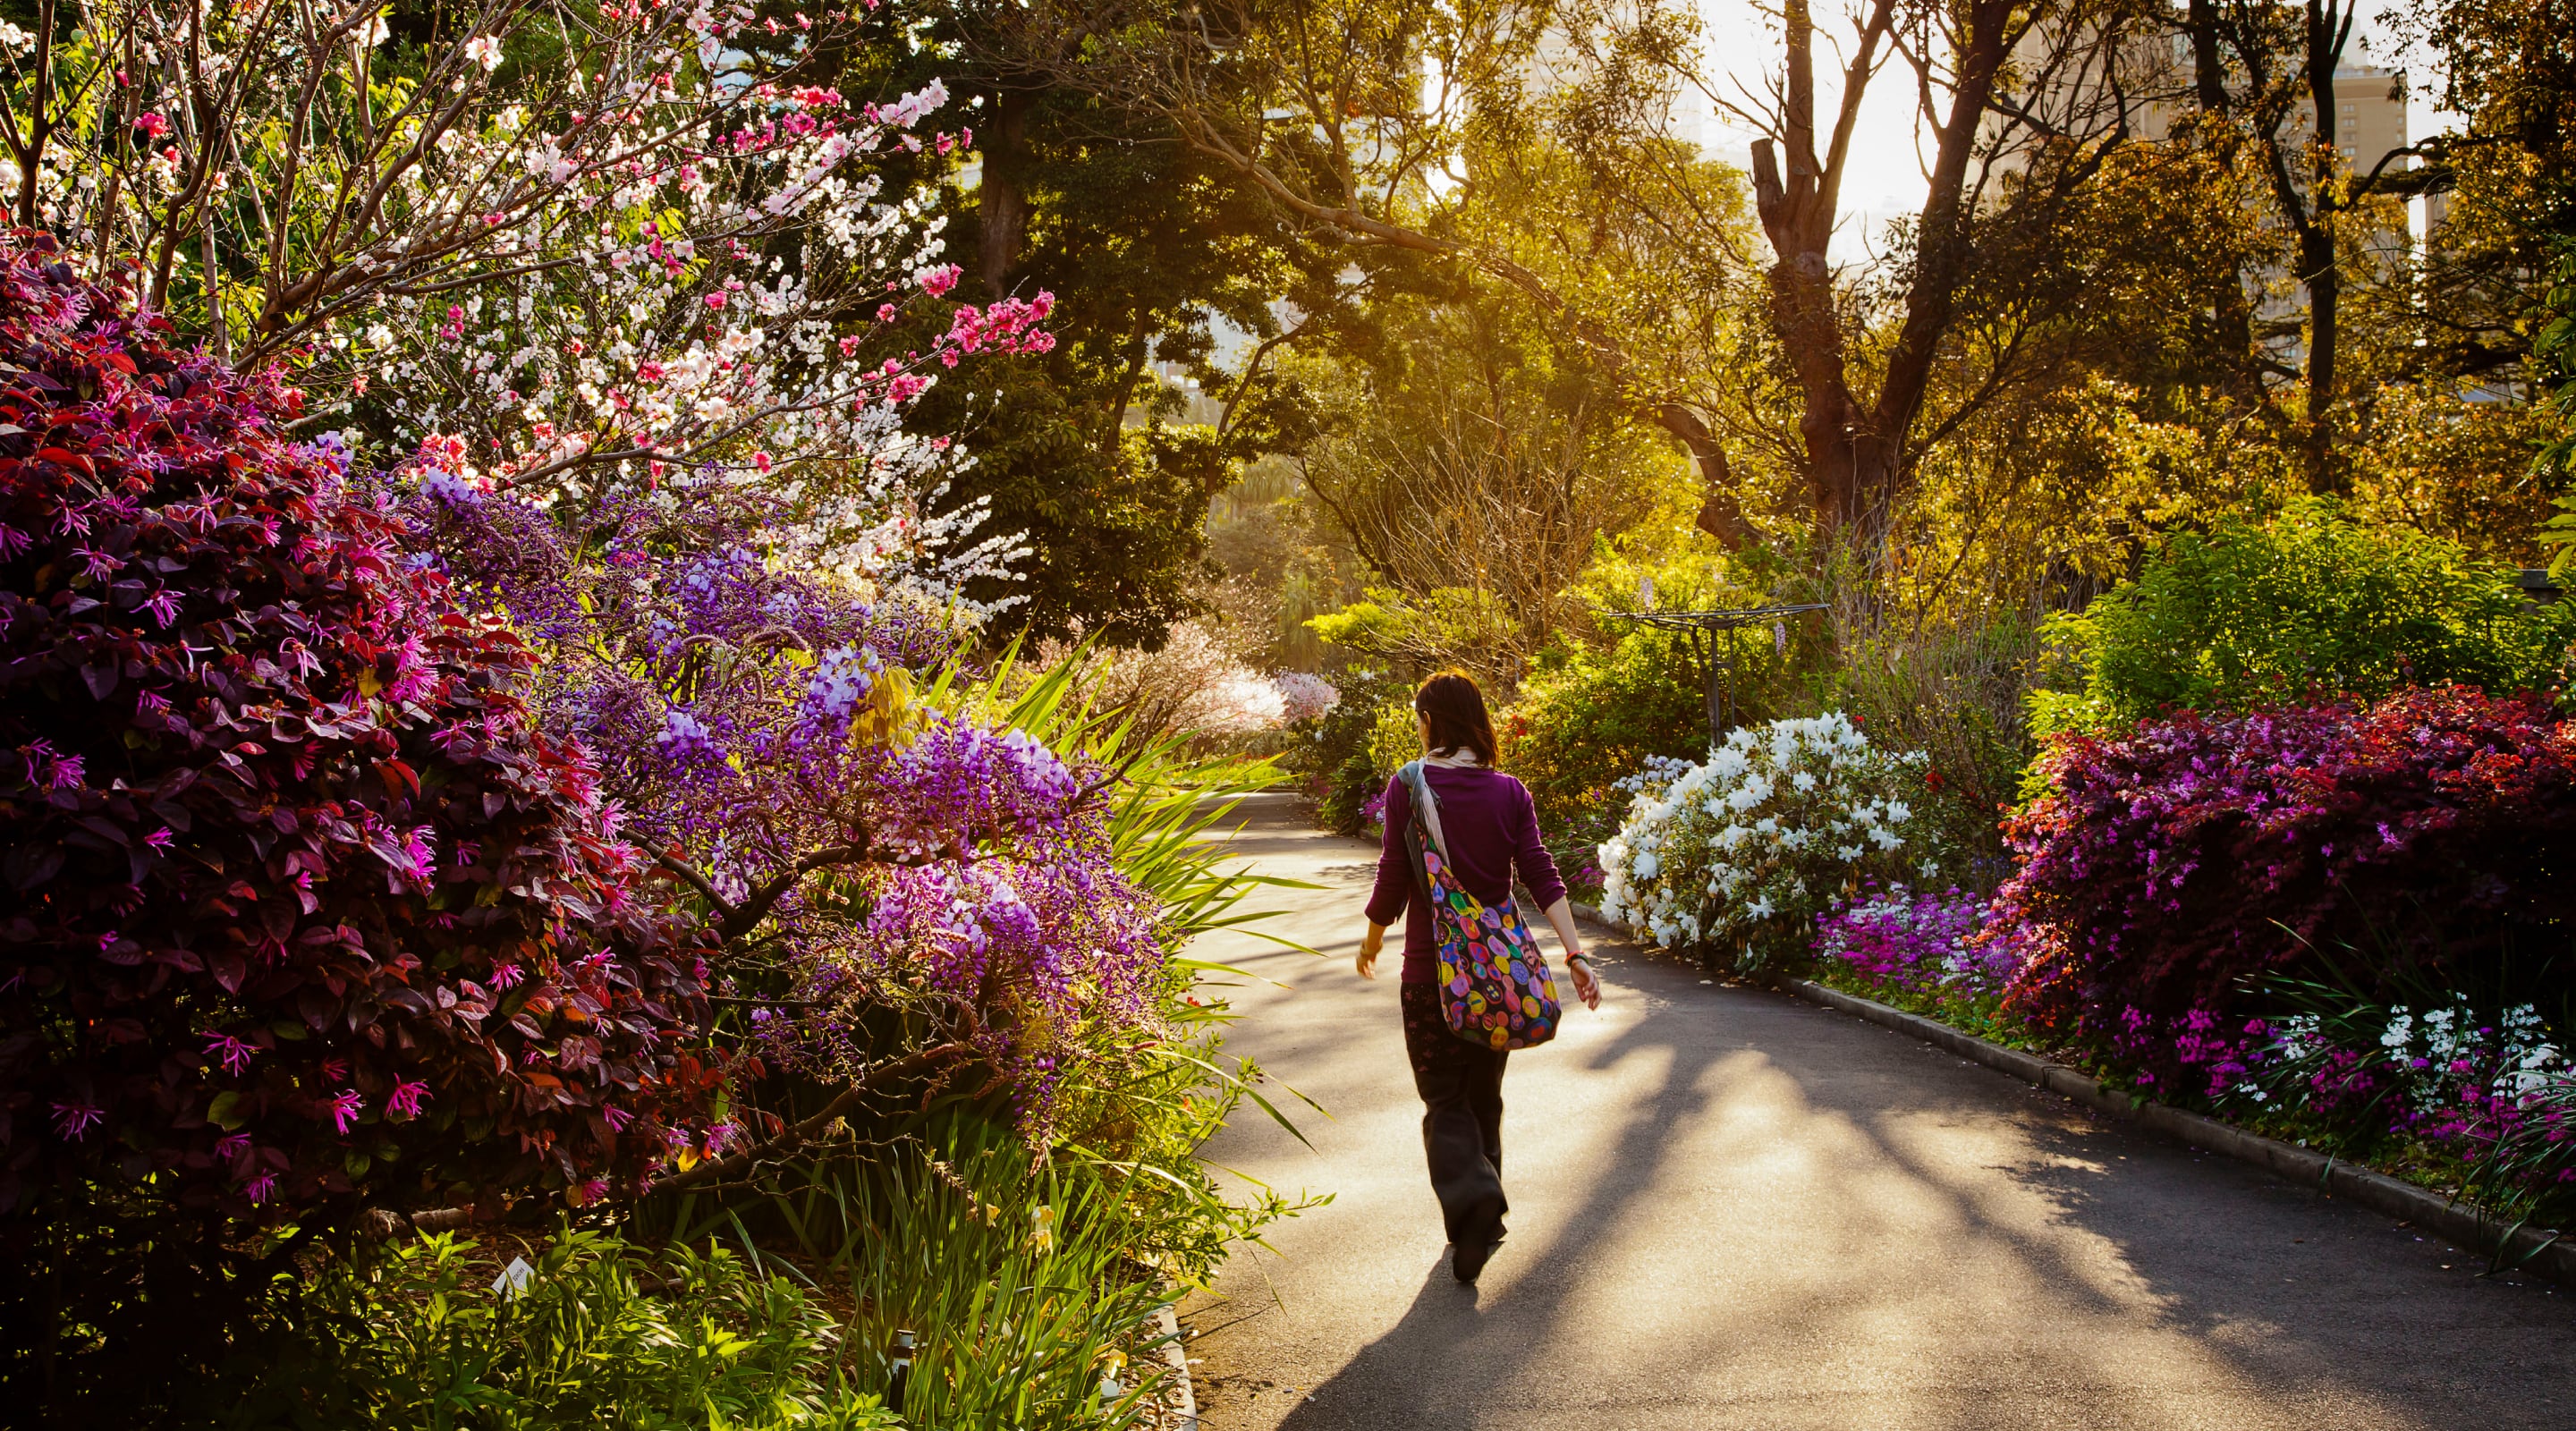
[1495, 989]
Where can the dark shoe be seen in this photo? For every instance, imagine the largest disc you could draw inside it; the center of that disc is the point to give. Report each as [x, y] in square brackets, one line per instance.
[1467, 1263]
[1478, 1239]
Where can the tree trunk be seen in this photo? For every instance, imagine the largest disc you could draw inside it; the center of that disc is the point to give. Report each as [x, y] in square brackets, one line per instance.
[1942, 243]
[2235, 314]
[2317, 258]
[2208, 68]
[1002, 199]
[1856, 459]
[1797, 212]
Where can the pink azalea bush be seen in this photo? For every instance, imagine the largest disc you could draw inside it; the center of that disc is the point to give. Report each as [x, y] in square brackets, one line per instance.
[2170, 868]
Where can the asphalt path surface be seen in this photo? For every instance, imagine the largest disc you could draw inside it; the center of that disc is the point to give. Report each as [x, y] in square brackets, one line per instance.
[1734, 1210]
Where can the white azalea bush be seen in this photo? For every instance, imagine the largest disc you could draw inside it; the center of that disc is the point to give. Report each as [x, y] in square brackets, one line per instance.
[1736, 856]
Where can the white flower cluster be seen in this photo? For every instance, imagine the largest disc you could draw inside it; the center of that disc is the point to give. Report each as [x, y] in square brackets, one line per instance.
[2435, 1056]
[1742, 851]
[2440, 1047]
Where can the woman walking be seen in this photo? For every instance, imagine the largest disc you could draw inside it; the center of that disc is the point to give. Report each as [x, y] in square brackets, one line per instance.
[1488, 831]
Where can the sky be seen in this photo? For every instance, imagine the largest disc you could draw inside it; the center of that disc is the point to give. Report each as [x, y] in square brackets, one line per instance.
[1885, 175]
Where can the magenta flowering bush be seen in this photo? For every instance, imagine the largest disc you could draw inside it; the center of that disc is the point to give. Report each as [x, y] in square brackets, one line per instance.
[2195, 858]
[305, 910]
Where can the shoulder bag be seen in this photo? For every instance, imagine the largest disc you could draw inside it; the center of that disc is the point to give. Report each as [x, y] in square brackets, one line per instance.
[1495, 989]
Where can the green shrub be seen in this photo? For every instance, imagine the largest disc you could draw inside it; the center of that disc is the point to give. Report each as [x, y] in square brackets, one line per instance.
[2309, 604]
[1959, 694]
[1593, 720]
[1333, 756]
[603, 1334]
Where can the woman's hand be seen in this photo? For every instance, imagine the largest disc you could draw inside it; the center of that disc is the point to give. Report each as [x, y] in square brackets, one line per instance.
[1587, 987]
[1370, 944]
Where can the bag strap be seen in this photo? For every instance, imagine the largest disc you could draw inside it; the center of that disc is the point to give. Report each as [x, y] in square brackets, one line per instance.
[1417, 831]
[1426, 806]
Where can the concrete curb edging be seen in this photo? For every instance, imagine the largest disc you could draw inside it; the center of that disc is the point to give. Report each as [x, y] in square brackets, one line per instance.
[2539, 1251]
[1176, 1352]
[2542, 1252]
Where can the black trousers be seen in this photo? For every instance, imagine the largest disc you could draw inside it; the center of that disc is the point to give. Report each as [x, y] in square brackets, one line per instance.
[1462, 1118]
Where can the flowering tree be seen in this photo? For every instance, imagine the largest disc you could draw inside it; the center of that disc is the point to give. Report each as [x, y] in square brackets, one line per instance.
[1740, 852]
[1304, 696]
[305, 908]
[574, 248]
[1194, 682]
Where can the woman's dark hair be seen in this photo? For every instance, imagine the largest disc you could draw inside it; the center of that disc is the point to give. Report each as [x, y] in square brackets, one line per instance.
[1456, 711]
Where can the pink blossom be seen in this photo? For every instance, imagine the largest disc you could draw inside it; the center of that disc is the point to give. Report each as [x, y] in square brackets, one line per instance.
[407, 1098]
[234, 1054]
[343, 1110]
[72, 1121]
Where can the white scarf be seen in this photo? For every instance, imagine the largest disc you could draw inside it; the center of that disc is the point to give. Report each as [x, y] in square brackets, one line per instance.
[1462, 759]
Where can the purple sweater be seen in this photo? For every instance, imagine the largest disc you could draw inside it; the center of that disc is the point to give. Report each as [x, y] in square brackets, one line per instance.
[1490, 827]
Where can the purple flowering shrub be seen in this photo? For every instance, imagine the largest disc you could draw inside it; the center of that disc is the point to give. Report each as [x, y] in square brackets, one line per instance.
[304, 911]
[901, 877]
[2198, 857]
[1921, 943]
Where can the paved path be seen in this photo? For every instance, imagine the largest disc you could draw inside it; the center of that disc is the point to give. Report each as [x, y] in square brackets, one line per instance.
[1734, 1210]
